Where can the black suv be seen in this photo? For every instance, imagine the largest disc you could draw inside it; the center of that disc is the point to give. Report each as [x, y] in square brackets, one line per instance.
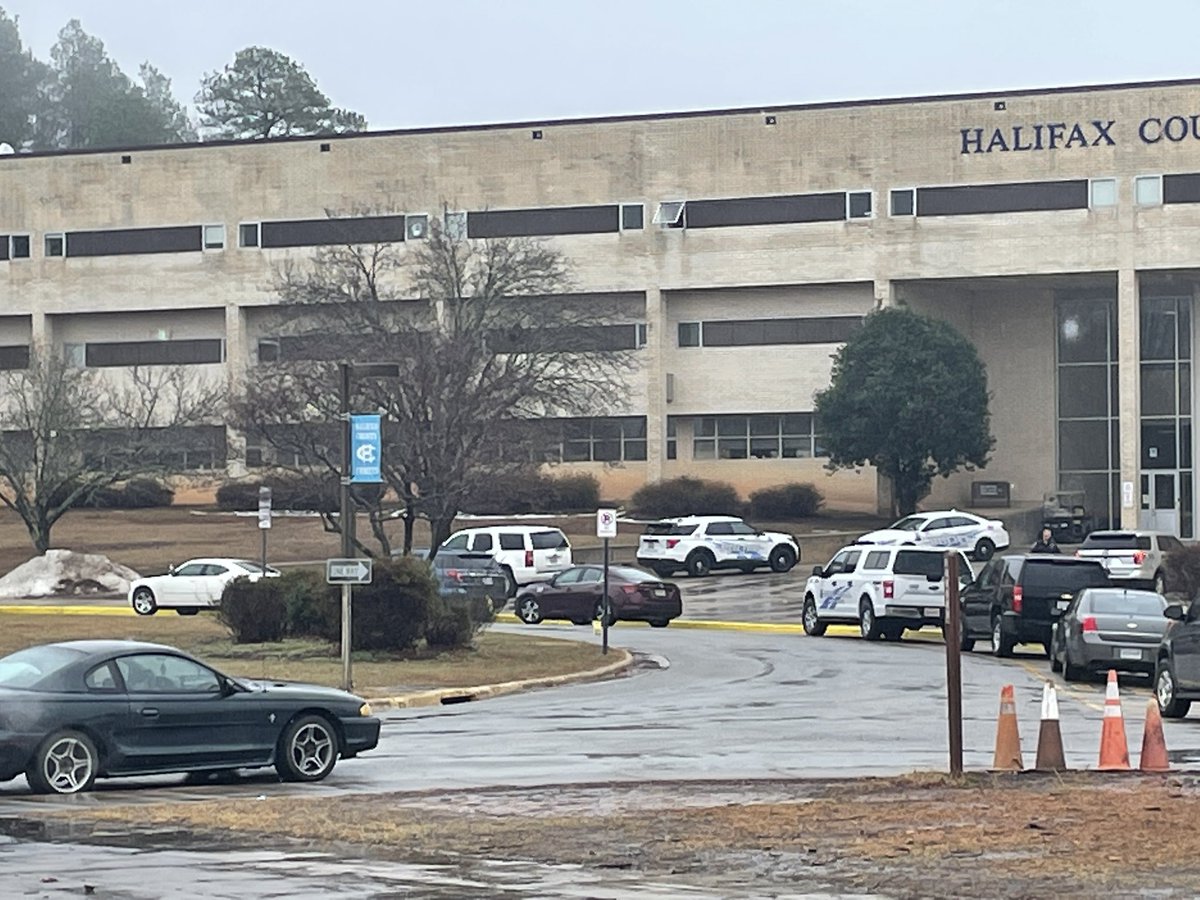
[1016, 599]
[1177, 667]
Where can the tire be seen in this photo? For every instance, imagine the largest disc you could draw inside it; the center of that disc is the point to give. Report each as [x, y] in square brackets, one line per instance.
[510, 584]
[893, 632]
[67, 762]
[813, 626]
[529, 610]
[782, 559]
[663, 571]
[144, 603]
[659, 623]
[598, 614]
[1055, 663]
[868, 625]
[984, 550]
[1002, 646]
[308, 749]
[1070, 671]
[965, 644]
[188, 610]
[700, 563]
[1169, 705]
[1158, 583]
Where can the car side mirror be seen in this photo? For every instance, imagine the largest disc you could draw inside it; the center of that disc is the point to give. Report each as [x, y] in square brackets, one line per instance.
[1174, 611]
[171, 569]
[818, 571]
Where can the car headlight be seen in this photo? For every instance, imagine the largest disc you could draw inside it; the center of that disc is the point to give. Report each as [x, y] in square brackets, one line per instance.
[365, 709]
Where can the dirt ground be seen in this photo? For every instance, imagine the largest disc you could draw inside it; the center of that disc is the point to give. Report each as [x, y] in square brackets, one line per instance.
[1074, 835]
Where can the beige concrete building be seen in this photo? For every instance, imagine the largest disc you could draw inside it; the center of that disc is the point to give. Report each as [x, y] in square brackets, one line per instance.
[1057, 229]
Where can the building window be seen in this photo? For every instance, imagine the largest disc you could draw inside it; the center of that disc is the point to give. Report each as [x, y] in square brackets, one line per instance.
[1147, 190]
[632, 216]
[975, 199]
[765, 436]
[858, 205]
[254, 458]
[14, 356]
[14, 246]
[605, 439]
[456, 225]
[903, 202]
[56, 244]
[268, 350]
[689, 334]
[416, 227]
[214, 237]
[155, 353]
[248, 234]
[73, 355]
[672, 448]
[670, 214]
[1102, 192]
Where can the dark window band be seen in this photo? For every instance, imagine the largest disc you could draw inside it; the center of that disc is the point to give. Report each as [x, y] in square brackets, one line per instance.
[765, 332]
[796, 208]
[322, 232]
[974, 199]
[131, 241]
[580, 339]
[154, 353]
[14, 356]
[543, 222]
[1181, 189]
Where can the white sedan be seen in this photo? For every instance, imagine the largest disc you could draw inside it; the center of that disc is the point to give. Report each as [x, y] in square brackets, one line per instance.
[196, 584]
[947, 528]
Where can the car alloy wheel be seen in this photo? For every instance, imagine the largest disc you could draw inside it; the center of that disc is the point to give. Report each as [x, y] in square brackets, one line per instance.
[529, 610]
[1000, 645]
[984, 549]
[309, 749]
[66, 763]
[813, 626]
[1164, 693]
[1160, 583]
[143, 602]
[868, 625]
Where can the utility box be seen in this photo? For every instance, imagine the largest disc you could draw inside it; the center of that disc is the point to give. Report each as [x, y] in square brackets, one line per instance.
[991, 493]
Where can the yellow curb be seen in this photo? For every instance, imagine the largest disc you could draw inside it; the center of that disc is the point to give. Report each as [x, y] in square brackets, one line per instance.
[49, 610]
[482, 691]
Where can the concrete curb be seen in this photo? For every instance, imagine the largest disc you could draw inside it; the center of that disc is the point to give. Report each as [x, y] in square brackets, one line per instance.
[48, 610]
[445, 696]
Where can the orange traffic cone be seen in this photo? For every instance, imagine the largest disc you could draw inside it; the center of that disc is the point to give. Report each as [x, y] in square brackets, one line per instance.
[1114, 748]
[1008, 740]
[1050, 746]
[1154, 743]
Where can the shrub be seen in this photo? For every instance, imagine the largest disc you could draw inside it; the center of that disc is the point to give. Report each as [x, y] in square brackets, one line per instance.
[450, 625]
[137, 493]
[238, 495]
[1183, 570]
[253, 611]
[686, 496]
[391, 612]
[535, 492]
[319, 492]
[574, 493]
[785, 502]
[311, 607]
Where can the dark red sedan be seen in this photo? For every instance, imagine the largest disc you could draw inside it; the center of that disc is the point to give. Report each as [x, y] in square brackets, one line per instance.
[576, 593]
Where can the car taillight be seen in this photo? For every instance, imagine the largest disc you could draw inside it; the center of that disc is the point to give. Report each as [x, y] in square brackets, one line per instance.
[529, 559]
[1139, 557]
[1018, 598]
[1079, 554]
[629, 588]
[1089, 624]
[671, 542]
[889, 590]
[454, 574]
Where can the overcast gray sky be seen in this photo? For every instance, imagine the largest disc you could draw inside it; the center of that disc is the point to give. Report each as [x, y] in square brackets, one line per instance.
[408, 64]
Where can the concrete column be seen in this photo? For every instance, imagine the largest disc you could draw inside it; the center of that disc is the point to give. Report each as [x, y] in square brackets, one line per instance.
[1128, 395]
[236, 365]
[885, 295]
[656, 384]
[41, 328]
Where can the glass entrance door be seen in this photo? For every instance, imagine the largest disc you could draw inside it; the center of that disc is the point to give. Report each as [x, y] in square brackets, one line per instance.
[1160, 502]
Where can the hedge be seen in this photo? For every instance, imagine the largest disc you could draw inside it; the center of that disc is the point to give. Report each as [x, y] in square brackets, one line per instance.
[686, 496]
[306, 493]
[786, 502]
[535, 492]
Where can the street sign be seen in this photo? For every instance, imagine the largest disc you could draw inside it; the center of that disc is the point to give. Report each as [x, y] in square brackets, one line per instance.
[366, 449]
[347, 571]
[606, 523]
[264, 507]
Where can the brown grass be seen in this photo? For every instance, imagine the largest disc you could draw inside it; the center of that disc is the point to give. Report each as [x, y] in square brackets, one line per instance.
[496, 657]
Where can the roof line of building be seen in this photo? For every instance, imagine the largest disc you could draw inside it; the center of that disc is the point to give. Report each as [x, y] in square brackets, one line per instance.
[633, 117]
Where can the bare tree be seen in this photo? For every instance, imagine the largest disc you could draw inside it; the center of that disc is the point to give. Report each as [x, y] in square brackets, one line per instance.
[65, 433]
[490, 347]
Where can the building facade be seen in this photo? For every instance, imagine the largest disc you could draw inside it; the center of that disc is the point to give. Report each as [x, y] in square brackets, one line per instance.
[1056, 229]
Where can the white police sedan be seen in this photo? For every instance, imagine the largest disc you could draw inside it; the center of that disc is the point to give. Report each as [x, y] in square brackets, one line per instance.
[194, 585]
[946, 528]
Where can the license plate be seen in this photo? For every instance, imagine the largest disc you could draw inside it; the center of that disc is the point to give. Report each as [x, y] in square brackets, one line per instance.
[932, 612]
[1062, 604]
[487, 580]
[1131, 654]
[660, 593]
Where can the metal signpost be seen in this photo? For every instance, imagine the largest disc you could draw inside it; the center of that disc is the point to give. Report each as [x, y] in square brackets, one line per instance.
[953, 636]
[264, 519]
[606, 527]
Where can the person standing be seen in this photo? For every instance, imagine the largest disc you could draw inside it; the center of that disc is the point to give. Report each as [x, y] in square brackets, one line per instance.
[1045, 543]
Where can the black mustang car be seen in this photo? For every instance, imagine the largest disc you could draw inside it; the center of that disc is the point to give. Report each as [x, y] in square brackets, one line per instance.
[77, 711]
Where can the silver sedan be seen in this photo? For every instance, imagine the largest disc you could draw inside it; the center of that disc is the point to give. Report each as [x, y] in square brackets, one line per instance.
[1108, 628]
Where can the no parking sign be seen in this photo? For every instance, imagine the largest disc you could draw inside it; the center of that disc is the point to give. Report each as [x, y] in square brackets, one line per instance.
[606, 523]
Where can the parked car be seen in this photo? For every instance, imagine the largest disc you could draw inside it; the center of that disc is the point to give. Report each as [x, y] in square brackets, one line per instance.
[1108, 628]
[577, 594]
[526, 553]
[1018, 598]
[463, 575]
[192, 586]
[77, 711]
[884, 590]
[1177, 662]
[1137, 557]
[947, 529]
[700, 544]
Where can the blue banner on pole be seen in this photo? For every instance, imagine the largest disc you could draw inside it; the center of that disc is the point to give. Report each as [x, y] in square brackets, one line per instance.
[366, 449]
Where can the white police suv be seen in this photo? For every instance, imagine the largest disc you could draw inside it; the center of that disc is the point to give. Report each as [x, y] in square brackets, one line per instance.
[882, 589]
[699, 544]
[948, 529]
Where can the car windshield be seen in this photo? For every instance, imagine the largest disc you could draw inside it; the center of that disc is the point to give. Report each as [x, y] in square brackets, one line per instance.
[1126, 603]
[1115, 542]
[548, 540]
[26, 668]
[911, 523]
[915, 562]
[627, 573]
[1061, 578]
